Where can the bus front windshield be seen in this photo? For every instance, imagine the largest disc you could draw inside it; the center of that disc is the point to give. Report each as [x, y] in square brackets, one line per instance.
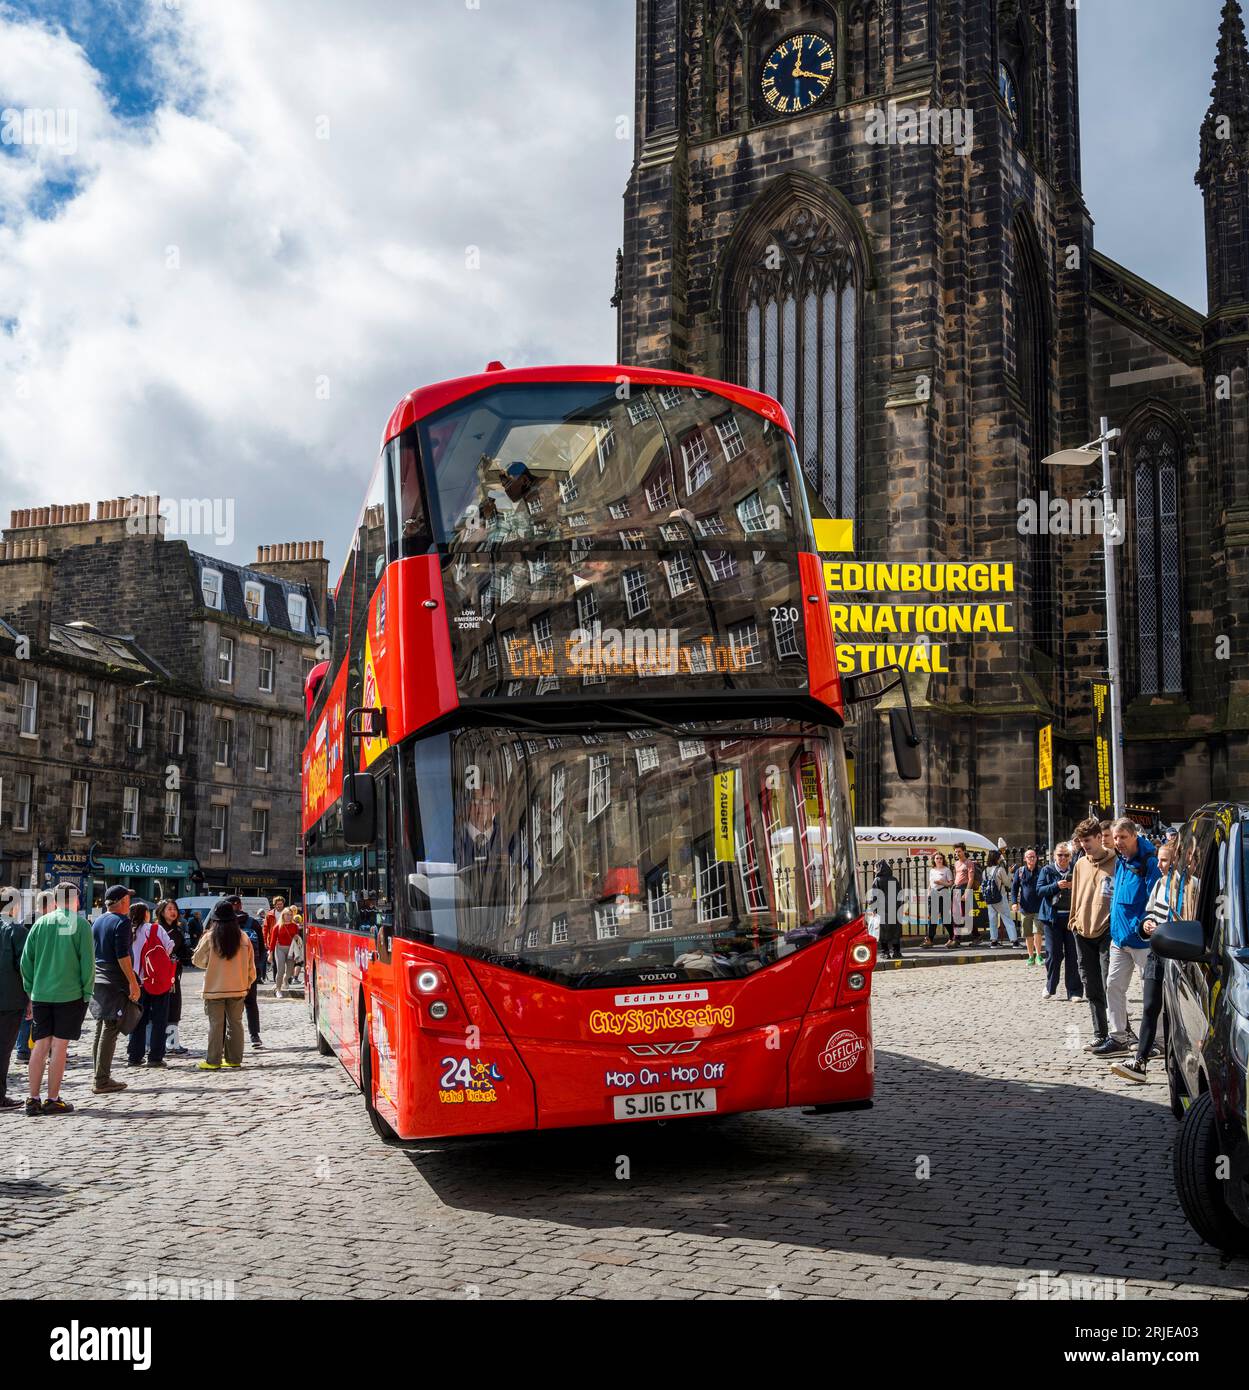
[574, 464]
[630, 856]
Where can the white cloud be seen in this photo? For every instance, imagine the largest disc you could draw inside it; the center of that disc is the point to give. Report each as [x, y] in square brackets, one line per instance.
[219, 260]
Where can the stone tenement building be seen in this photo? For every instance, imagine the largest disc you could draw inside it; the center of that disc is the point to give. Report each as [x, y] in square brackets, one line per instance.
[883, 225]
[151, 704]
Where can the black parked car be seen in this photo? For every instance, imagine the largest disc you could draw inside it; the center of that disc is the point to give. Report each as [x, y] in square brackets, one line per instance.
[1206, 1021]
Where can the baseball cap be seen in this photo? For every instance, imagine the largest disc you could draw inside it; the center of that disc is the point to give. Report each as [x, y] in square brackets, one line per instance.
[116, 893]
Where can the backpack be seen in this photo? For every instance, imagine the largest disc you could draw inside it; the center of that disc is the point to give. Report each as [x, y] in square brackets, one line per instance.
[156, 967]
[991, 890]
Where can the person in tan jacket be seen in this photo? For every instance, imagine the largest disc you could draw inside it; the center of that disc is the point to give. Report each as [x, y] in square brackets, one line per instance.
[225, 955]
[1092, 888]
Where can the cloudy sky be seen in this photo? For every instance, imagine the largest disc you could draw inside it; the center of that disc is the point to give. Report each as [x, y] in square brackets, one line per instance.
[272, 218]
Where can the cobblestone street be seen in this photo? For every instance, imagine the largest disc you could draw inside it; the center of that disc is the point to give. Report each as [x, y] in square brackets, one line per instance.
[1038, 1160]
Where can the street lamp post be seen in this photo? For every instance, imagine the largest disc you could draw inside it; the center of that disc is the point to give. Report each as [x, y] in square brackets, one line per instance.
[1112, 620]
[1081, 458]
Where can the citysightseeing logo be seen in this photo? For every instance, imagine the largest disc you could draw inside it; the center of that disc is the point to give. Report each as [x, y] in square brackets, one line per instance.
[660, 1020]
[842, 1051]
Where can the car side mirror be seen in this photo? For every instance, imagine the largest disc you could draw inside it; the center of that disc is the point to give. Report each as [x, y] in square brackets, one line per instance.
[1178, 940]
[359, 809]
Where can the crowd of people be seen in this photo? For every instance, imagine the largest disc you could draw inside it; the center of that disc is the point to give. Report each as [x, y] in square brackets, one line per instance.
[1086, 917]
[126, 968]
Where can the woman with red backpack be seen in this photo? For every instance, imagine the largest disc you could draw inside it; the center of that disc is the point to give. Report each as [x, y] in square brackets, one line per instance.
[151, 950]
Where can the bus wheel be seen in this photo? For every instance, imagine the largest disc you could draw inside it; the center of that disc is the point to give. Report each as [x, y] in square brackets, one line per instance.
[380, 1127]
[322, 1046]
[1200, 1190]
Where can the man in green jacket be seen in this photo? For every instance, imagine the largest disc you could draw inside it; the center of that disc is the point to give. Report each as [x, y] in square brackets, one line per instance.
[12, 997]
[58, 971]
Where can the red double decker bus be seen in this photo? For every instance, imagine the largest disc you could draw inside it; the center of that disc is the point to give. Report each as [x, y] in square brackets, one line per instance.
[578, 845]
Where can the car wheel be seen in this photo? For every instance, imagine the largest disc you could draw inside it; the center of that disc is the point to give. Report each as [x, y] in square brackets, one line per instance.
[380, 1127]
[323, 1047]
[1200, 1190]
[1176, 1090]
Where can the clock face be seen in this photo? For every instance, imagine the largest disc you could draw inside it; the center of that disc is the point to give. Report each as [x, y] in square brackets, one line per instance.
[1006, 87]
[797, 73]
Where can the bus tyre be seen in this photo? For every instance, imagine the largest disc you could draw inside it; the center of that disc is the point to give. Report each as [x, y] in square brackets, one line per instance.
[367, 1065]
[1175, 1087]
[1197, 1150]
[322, 1046]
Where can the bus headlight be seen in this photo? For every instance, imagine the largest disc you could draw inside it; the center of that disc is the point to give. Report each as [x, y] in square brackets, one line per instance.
[861, 953]
[438, 1009]
[427, 982]
[856, 981]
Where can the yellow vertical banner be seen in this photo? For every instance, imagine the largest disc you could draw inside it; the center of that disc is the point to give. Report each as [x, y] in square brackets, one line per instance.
[724, 816]
[810, 775]
[1045, 758]
[1101, 737]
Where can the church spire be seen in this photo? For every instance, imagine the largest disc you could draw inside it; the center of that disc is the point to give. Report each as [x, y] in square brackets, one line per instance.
[1225, 130]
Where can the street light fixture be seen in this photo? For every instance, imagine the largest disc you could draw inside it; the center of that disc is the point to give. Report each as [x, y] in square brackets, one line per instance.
[1082, 458]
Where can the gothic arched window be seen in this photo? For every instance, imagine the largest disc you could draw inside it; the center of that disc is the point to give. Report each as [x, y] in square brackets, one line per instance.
[863, 50]
[728, 80]
[1154, 458]
[795, 302]
[1032, 376]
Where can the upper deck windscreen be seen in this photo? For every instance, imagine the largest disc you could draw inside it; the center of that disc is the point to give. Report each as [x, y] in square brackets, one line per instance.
[596, 539]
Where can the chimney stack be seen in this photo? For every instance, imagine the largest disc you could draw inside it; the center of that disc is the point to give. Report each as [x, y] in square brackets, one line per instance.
[26, 587]
[299, 562]
[66, 524]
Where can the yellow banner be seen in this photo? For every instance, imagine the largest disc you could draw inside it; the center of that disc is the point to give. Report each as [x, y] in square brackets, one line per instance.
[724, 816]
[834, 536]
[1101, 734]
[1045, 758]
[373, 747]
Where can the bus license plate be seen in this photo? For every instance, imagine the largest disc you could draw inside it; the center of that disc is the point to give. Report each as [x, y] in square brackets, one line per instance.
[657, 1105]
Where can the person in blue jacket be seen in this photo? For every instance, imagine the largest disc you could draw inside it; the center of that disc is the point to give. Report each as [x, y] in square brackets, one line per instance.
[1026, 900]
[1136, 872]
[1054, 889]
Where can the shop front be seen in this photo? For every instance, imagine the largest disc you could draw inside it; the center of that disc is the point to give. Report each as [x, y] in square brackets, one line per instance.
[251, 884]
[148, 879]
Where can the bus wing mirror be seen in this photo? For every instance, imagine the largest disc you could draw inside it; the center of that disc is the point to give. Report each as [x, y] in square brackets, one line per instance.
[359, 809]
[906, 745]
[870, 686]
[866, 687]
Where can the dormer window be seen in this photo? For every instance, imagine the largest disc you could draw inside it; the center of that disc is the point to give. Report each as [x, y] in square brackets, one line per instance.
[297, 612]
[210, 587]
[254, 600]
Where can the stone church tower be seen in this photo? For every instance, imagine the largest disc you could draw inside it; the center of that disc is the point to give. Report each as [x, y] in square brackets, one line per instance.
[900, 252]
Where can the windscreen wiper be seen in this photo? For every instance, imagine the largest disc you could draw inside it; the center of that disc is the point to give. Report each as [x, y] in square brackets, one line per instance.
[630, 717]
[635, 716]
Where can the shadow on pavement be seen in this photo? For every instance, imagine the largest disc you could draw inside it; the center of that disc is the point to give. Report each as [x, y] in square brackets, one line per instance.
[1057, 1176]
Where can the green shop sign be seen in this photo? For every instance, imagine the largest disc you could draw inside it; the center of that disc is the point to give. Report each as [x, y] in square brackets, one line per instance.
[335, 863]
[147, 868]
